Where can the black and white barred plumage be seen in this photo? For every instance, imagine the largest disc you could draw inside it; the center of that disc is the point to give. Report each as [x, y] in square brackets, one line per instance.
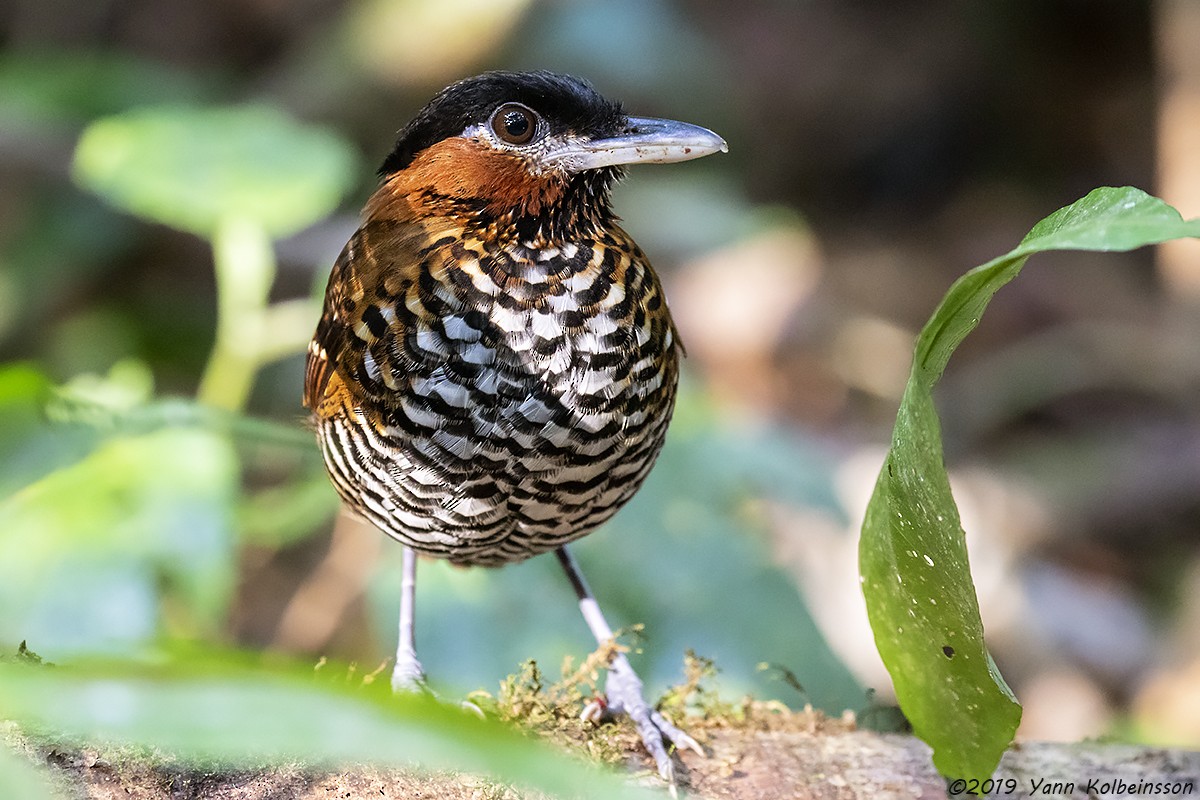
[485, 401]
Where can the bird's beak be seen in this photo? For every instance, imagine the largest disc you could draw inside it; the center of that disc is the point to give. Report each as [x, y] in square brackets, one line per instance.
[644, 141]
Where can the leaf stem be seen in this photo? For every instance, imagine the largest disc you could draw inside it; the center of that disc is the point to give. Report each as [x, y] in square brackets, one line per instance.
[245, 270]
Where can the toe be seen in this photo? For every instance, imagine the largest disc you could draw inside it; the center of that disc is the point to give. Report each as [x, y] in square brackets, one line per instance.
[675, 736]
[595, 711]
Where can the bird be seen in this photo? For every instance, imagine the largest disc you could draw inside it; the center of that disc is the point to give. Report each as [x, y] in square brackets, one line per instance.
[495, 366]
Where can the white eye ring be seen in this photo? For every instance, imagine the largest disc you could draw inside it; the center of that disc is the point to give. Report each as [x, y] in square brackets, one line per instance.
[515, 124]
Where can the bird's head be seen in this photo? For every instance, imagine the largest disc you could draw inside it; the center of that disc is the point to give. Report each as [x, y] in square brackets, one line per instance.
[535, 152]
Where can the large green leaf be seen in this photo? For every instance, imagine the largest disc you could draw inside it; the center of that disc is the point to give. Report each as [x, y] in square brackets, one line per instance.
[194, 168]
[241, 716]
[913, 556]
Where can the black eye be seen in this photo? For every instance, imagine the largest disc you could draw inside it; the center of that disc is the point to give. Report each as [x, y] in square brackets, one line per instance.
[514, 123]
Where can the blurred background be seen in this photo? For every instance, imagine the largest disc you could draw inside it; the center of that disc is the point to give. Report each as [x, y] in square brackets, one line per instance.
[877, 151]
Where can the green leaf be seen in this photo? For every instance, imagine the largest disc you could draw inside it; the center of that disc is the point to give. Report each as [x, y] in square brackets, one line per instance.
[240, 717]
[912, 554]
[20, 779]
[30, 447]
[68, 408]
[192, 168]
[86, 551]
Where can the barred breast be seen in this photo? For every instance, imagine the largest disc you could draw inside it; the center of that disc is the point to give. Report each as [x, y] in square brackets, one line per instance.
[485, 403]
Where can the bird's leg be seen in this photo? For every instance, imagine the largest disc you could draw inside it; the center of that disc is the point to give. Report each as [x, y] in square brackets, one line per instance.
[623, 687]
[407, 676]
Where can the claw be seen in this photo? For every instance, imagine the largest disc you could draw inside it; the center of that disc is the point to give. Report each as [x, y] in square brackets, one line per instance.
[624, 690]
[681, 740]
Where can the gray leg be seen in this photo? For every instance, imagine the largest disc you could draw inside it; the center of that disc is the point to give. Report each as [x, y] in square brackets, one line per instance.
[623, 686]
[407, 676]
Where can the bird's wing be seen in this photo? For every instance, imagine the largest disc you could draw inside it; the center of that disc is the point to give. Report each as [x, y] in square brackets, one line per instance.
[362, 340]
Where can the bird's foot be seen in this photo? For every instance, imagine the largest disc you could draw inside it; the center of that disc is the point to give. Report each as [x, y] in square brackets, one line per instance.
[408, 676]
[623, 690]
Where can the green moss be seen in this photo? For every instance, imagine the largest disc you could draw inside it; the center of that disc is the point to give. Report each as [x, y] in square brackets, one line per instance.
[552, 709]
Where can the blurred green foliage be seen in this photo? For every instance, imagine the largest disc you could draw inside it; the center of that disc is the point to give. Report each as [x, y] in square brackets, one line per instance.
[217, 710]
[30, 446]
[138, 517]
[19, 778]
[119, 536]
[198, 168]
[239, 177]
[66, 87]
